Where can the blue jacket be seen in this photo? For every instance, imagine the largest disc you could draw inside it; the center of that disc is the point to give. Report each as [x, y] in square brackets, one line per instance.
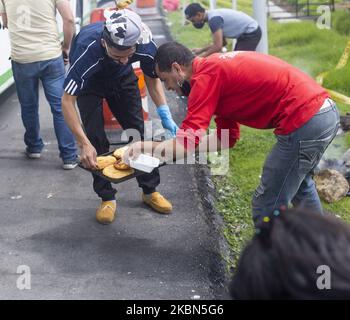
[91, 68]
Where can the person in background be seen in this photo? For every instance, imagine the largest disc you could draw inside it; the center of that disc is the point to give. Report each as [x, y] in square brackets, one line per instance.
[295, 254]
[224, 23]
[37, 55]
[101, 67]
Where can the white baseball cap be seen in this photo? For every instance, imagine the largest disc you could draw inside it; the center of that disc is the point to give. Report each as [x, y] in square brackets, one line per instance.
[125, 28]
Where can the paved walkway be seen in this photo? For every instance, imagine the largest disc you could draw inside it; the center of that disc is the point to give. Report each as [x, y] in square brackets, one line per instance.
[48, 223]
[281, 14]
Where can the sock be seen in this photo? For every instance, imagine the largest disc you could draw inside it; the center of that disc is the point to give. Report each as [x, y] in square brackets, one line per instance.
[114, 201]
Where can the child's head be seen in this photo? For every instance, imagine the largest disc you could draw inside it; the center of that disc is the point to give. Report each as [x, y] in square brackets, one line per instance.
[284, 260]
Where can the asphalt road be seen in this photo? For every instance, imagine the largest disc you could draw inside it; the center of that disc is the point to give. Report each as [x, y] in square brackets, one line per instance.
[48, 224]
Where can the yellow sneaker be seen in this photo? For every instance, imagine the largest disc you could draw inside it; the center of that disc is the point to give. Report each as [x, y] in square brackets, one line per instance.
[105, 213]
[157, 202]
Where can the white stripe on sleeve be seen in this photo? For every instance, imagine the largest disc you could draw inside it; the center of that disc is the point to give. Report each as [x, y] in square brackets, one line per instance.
[66, 88]
[74, 89]
[69, 90]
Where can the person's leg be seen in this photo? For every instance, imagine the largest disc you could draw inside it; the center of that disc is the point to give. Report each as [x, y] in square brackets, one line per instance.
[248, 42]
[26, 77]
[52, 76]
[126, 106]
[286, 173]
[279, 169]
[91, 112]
[307, 196]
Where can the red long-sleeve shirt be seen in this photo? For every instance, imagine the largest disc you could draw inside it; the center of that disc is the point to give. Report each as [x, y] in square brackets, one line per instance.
[249, 88]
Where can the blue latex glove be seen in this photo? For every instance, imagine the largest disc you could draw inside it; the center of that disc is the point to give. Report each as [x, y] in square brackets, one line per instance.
[167, 120]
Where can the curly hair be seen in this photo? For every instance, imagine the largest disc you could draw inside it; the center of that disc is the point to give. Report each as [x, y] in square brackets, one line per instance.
[282, 262]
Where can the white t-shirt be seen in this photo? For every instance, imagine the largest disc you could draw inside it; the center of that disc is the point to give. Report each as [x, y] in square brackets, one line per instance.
[233, 23]
[33, 29]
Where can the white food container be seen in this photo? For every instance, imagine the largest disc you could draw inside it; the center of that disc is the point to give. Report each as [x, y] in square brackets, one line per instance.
[144, 163]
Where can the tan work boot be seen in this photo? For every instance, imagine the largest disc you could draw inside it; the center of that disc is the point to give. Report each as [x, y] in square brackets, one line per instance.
[105, 213]
[157, 202]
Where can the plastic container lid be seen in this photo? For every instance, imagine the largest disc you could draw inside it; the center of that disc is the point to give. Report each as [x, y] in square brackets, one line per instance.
[144, 163]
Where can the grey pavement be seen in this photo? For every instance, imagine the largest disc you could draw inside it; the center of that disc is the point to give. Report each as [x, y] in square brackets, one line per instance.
[48, 224]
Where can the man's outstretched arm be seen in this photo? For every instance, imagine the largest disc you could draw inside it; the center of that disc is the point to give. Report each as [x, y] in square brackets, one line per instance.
[218, 41]
[156, 91]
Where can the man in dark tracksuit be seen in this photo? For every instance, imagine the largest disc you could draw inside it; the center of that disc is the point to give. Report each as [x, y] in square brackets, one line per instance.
[100, 67]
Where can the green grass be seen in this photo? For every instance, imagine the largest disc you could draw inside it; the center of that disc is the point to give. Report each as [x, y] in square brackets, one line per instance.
[187, 34]
[305, 46]
[236, 189]
[339, 79]
[308, 48]
[5, 76]
[303, 2]
[341, 22]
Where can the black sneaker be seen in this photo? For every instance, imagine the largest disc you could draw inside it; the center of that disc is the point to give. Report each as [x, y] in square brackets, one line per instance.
[33, 155]
[70, 164]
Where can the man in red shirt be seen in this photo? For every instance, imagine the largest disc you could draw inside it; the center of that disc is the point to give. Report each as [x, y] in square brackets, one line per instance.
[258, 91]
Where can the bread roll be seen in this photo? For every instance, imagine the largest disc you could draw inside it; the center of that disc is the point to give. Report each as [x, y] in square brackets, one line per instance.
[121, 165]
[114, 173]
[105, 161]
[120, 152]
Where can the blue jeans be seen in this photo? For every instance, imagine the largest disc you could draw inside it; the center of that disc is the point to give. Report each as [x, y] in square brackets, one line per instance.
[288, 169]
[51, 73]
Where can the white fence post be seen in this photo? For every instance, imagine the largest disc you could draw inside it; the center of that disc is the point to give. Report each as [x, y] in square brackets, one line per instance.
[212, 4]
[184, 5]
[260, 15]
[234, 4]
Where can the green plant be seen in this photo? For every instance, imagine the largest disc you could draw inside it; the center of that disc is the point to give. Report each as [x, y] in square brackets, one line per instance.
[342, 22]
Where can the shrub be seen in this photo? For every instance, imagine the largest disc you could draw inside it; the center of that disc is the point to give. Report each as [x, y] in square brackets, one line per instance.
[342, 23]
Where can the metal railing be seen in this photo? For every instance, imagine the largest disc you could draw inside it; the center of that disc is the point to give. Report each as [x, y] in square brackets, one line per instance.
[297, 9]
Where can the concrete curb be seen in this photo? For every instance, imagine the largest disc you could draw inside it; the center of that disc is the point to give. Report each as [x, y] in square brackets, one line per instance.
[207, 195]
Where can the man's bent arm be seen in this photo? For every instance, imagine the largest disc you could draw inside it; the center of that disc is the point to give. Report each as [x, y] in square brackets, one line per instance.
[155, 90]
[4, 20]
[201, 50]
[218, 40]
[72, 119]
[172, 150]
[88, 154]
[66, 13]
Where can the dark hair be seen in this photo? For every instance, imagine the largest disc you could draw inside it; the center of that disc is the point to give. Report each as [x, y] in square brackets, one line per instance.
[192, 9]
[171, 52]
[107, 37]
[283, 263]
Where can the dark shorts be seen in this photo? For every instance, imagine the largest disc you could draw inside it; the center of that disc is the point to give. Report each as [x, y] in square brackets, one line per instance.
[248, 41]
